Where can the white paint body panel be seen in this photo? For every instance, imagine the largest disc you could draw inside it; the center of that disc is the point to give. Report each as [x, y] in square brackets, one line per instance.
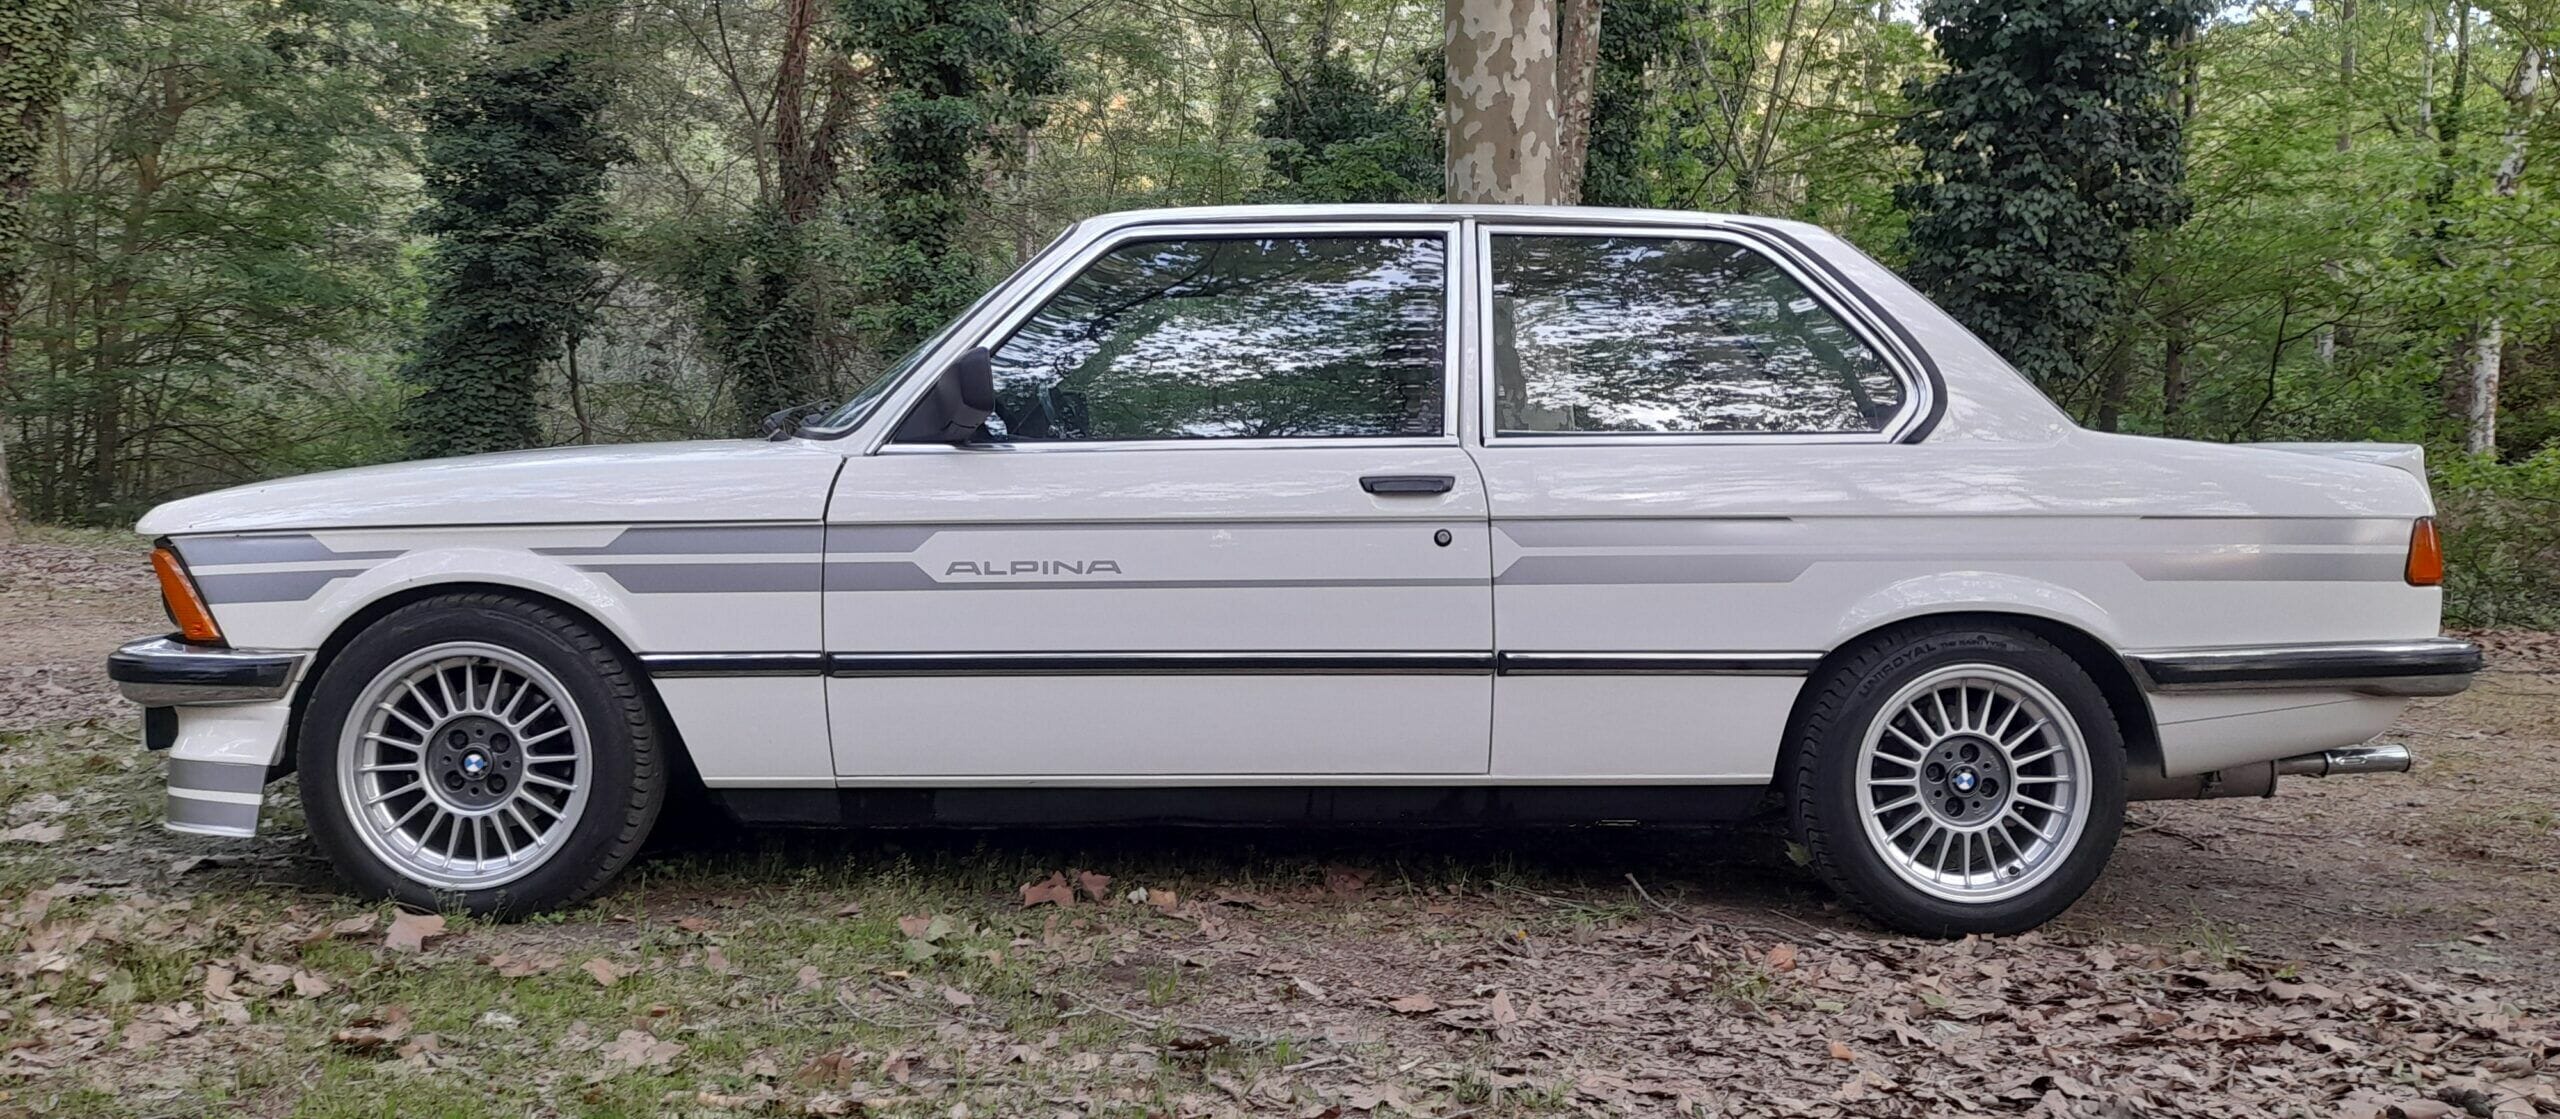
[1215, 550]
[850, 546]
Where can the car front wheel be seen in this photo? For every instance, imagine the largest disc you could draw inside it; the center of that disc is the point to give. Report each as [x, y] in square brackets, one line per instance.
[1957, 779]
[481, 752]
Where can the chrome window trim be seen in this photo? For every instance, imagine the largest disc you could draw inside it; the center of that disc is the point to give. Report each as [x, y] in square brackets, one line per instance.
[1919, 393]
[996, 321]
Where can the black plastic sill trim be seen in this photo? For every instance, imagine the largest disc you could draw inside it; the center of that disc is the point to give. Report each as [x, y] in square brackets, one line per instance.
[2312, 663]
[683, 665]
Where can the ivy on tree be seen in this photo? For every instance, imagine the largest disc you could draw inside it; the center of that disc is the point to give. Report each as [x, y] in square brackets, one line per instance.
[1334, 135]
[2047, 145]
[960, 78]
[514, 168]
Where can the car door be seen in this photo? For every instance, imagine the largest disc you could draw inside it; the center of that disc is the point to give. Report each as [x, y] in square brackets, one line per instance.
[1666, 418]
[1219, 526]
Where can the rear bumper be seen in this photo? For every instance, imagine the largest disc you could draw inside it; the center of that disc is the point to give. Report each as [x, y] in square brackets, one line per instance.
[165, 672]
[2436, 666]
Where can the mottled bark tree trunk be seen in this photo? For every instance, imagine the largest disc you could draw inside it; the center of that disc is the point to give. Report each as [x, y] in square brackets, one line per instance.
[1503, 109]
[35, 41]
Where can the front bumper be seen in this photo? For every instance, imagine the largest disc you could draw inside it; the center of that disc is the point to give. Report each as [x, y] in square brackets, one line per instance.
[220, 715]
[2435, 666]
[166, 672]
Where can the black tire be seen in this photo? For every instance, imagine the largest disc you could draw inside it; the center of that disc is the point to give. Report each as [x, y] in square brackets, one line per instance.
[1828, 806]
[629, 768]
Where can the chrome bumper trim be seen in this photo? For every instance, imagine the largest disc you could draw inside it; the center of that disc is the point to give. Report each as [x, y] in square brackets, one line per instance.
[162, 672]
[2430, 667]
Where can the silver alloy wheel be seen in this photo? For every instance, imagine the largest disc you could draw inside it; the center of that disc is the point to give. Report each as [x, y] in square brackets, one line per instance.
[1973, 783]
[464, 766]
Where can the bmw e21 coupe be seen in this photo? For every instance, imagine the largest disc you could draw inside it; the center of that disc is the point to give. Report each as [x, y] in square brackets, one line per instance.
[1379, 515]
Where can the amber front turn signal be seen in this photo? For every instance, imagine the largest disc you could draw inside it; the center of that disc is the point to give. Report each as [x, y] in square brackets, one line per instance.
[2426, 555]
[185, 606]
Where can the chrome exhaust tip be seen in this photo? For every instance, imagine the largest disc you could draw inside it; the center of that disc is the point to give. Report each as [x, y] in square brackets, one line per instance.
[2351, 761]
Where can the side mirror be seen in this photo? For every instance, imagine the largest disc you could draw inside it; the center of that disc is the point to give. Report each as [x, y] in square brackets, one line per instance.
[957, 405]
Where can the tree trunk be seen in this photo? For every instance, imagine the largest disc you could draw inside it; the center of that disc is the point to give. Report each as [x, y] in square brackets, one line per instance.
[2328, 340]
[796, 163]
[1502, 112]
[2480, 411]
[1577, 76]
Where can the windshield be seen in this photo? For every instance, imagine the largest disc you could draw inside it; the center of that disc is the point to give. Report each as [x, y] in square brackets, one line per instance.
[864, 402]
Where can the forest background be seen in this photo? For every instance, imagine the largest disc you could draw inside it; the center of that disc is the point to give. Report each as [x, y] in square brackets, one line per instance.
[248, 238]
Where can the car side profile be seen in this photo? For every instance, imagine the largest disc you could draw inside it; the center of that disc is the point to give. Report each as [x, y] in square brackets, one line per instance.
[1375, 515]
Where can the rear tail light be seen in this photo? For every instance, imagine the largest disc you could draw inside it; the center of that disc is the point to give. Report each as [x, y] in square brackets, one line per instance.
[2426, 555]
[178, 595]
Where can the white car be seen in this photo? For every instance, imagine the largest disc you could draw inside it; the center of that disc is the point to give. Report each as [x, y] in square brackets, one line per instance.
[1370, 515]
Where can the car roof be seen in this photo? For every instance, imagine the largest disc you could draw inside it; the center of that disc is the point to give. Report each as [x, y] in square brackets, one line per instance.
[1434, 211]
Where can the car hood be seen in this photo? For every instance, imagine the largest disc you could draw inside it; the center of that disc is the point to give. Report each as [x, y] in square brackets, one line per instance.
[724, 480]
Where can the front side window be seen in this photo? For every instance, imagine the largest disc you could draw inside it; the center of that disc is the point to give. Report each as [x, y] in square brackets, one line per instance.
[1234, 338]
[1671, 336]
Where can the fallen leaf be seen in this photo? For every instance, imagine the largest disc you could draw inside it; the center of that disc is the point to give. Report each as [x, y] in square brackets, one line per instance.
[807, 979]
[1413, 1004]
[1346, 881]
[311, 986]
[1095, 886]
[33, 833]
[1052, 890]
[1841, 1052]
[409, 932]
[1500, 1008]
[958, 997]
[1782, 958]
[605, 972]
[640, 1049]
[1163, 900]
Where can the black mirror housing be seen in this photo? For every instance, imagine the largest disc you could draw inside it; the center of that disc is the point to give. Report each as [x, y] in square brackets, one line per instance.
[958, 404]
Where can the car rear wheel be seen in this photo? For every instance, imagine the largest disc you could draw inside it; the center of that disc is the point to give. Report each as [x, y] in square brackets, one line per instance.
[482, 752]
[1952, 780]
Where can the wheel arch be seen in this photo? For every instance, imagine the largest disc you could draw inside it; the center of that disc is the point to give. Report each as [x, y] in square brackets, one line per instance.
[363, 618]
[2124, 695]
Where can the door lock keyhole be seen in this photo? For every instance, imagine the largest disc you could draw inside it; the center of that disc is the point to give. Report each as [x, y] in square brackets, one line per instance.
[1442, 538]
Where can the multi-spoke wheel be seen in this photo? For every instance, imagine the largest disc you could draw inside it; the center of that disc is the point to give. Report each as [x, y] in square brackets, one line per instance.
[480, 751]
[466, 765]
[1958, 780]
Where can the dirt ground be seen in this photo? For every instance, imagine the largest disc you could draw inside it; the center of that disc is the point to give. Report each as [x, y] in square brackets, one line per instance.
[2348, 948]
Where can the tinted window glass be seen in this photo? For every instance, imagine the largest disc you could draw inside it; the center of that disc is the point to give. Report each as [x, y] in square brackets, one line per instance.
[1233, 338]
[1657, 334]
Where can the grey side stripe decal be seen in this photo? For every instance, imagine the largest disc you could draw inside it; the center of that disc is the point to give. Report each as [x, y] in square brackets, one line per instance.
[220, 817]
[2246, 566]
[901, 575]
[278, 586]
[709, 578]
[1633, 570]
[218, 551]
[2144, 533]
[219, 777]
[2340, 567]
[701, 540]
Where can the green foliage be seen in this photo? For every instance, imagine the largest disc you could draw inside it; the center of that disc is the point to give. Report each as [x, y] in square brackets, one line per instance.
[1334, 135]
[215, 280]
[1635, 35]
[2048, 144]
[963, 77]
[749, 281]
[35, 42]
[2501, 524]
[515, 165]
